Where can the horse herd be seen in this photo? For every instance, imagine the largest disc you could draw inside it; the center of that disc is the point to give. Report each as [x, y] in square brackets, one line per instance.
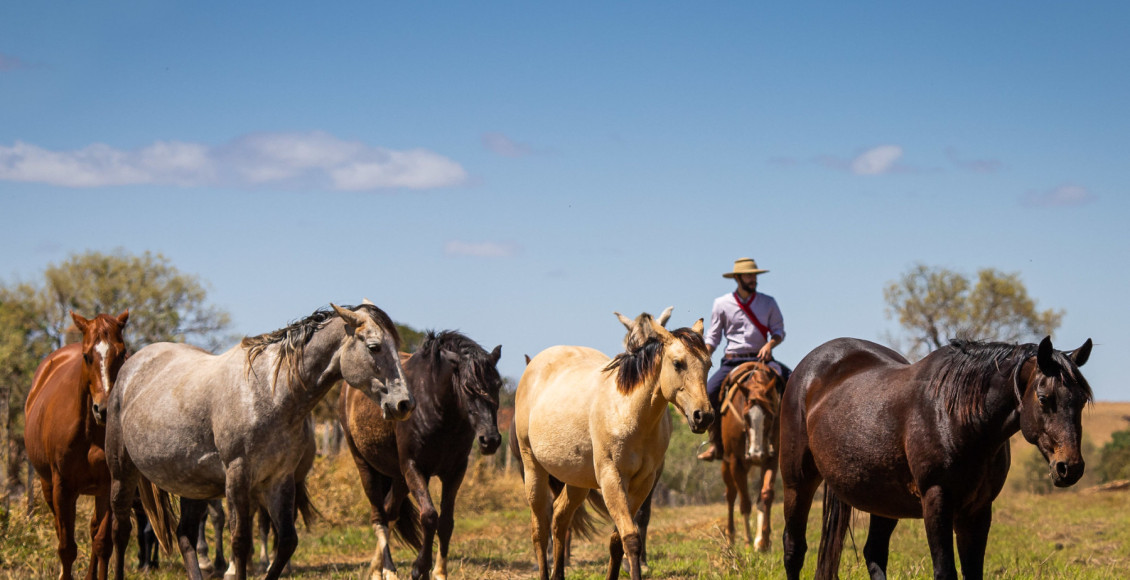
[898, 440]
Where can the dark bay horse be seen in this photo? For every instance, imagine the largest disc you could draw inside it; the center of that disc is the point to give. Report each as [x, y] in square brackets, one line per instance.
[456, 385]
[235, 425]
[65, 433]
[750, 430]
[925, 440]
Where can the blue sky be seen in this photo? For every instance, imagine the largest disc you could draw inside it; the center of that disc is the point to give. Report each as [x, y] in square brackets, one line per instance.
[519, 171]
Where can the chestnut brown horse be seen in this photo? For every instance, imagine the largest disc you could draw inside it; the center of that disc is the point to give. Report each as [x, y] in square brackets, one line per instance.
[66, 433]
[455, 383]
[925, 440]
[750, 430]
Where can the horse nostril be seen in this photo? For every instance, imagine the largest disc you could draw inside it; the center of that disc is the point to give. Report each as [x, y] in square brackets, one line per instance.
[405, 405]
[1061, 469]
[697, 417]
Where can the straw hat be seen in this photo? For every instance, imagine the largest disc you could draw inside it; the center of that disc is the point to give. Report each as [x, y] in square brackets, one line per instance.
[744, 266]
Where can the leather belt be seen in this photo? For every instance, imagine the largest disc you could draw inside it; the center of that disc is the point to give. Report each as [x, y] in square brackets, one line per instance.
[750, 355]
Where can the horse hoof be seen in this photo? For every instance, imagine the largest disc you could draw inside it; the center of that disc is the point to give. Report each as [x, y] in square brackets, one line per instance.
[388, 575]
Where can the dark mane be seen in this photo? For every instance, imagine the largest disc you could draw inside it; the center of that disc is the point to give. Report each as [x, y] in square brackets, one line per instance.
[638, 366]
[294, 337]
[965, 369]
[475, 368]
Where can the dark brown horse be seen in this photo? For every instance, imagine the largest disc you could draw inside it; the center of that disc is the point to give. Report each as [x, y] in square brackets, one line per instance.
[926, 440]
[66, 433]
[750, 429]
[455, 383]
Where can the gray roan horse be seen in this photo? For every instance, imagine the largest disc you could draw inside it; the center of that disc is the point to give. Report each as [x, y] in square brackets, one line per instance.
[234, 425]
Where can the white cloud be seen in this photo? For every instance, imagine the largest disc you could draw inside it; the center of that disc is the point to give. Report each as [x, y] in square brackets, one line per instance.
[315, 159]
[480, 249]
[505, 146]
[1062, 196]
[877, 160]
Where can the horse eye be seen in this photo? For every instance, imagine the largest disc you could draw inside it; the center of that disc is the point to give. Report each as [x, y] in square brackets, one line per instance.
[374, 346]
[89, 358]
[1044, 400]
[680, 366]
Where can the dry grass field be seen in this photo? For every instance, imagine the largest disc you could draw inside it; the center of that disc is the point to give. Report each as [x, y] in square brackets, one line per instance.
[1078, 533]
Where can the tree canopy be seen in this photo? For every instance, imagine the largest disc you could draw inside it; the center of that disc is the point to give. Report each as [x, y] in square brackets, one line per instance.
[935, 305]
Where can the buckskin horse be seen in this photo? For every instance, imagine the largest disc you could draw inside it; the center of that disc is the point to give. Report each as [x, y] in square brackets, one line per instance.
[455, 383]
[750, 429]
[65, 433]
[234, 425]
[596, 423]
[925, 440]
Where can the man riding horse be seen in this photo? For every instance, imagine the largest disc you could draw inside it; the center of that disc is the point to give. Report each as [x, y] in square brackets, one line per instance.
[752, 324]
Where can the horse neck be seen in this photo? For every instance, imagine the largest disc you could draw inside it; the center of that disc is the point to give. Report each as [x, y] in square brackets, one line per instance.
[435, 393]
[1000, 419]
[317, 372]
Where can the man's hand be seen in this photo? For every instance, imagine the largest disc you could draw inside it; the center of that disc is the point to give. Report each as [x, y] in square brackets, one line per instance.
[766, 352]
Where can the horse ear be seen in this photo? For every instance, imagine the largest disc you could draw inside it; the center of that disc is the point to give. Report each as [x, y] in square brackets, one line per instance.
[80, 322]
[123, 317]
[698, 327]
[661, 332]
[350, 317]
[1080, 355]
[450, 356]
[1044, 358]
[627, 322]
[527, 358]
[367, 301]
[665, 315]
[495, 354]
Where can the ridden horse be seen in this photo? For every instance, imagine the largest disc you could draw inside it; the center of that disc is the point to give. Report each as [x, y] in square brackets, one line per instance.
[65, 433]
[595, 423]
[750, 429]
[233, 425]
[456, 385]
[925, 440]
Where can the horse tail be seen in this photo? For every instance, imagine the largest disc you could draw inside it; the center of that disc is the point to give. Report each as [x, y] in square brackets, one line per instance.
[304, 505]
[159, 509]
[584, 521]
[407, 527]
[836, 519]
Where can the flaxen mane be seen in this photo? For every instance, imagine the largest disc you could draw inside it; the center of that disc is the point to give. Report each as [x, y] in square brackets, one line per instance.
[639, 366]
[292, 339]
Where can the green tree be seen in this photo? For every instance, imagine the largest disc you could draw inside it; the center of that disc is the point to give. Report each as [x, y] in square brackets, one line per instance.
[936, 305]
[164, 303]
[1114, 457]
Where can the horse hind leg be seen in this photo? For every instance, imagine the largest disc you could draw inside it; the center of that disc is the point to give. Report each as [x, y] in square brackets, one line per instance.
[564, 507]
[191, 511]
[798, 503]
[282, 518]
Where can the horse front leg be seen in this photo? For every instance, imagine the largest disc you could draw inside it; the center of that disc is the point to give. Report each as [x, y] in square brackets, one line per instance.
[101, 546]
[877, 548]
[238, 492]
[538, 496]
[451, 484]
[764, 539]
[618, 496]
[741, 480]
[282, 517]
[731, 496]
[938, 515]
[429, 518]
[972, 535]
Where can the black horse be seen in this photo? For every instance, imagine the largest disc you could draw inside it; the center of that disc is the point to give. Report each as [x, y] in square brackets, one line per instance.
[926, 440]
[455, 384]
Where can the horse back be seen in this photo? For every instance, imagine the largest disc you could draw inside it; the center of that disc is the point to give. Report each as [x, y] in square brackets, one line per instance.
[552, 409]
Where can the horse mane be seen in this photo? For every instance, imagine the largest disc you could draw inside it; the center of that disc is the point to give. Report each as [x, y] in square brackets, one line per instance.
[475, 361]
[638, 366]
[292, 339]
[965, 370]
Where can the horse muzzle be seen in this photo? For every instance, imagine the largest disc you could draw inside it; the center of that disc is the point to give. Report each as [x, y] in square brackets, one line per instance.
[700, 420]
[1066, 474]
[99, 412]
[488, 444]
[397, 409]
